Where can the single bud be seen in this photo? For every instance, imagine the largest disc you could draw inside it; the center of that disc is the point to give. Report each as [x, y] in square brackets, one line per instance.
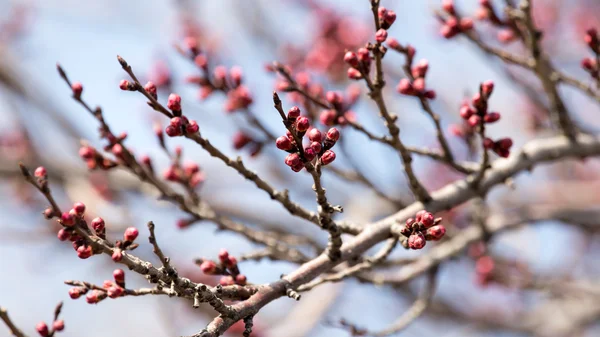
[87, 152]
[226, 281]
[67, 219]
[124, 85]
[354, 74]
[92, 297]
[192, 127]
[405, 87]
[504, 143]
[351, 59]
[491, 117]
[302, 124]
[201, 61]
[131, 234]
[448, 6]
[115, 291]
[427, 219]
[466, 112]
[334, 97]
[436, 232]
[474, 120]
[488, 143]
[223, 255]
[588, 64]
[506, 36]
[390, 17]
[174, 102]
[84, 251]
[119, 276]
[309, 153]
[393, 43]
[381, 35]
[117, 255]
[328, 157]
[40, 172]
[364, 55]
[283, 143]
[77, 89]
[293, 113]
[419, 84]
[79, 208]
[42, 329]
[63, 234]
[150, 88]
[240, 279]
[381, 11]
[420, 70]
[236, 75]
[292, 159]
[328, 117]
[231, 262]
[58, 325]
[416, 241]
[314, 135]
[487, 87]
[430, 94]
[316, 147]
[191, 43]
[74, 293]
[208, 267]
[333, 134]
[466, 24]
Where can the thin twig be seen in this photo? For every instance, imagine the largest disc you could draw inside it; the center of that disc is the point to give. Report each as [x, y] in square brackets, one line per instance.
[11, 326]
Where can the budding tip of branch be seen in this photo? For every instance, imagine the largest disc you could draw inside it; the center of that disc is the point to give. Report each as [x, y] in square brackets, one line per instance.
[122, 61]
[24, 170]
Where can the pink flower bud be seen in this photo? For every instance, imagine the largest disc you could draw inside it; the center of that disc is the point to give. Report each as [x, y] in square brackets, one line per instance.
[302, 124]
[351, 59]
[115, 291]
[393, 43]
[427, 219]
[130, 234]
[292, 159]
[87, 152]
[491, 117]
[236, 75]
[309, 153]
[201, 61]
[83, 252]
[381, 35]
[448, 6]
[226, 281]
[447, 31]
[333, 97]
[208, 267]
[293, 113]
[419, 84]
[191, 43]
[119, 275]
[436, 232]
[124, 85]
[192, 127]
[487, 87]
[316, 147]
[420, 70]
[430, 94]
[466, 112]
[174, 102]
[79, 208]
[150, 88]
[506, 36]
[63, 234]
[283, 143]
[77, 89]
[67, 219]
[588, 63]
[117, 255]
[117, 150]
[390, 17]
[328, 157]
[327, 117]
[241, 279]
[416, 241]
[474, 120]
[172, 131]
[42, 329]
[223, 255]
[381, 11]
[314, 135]
[354, 74]
[364, 55]
[74, 293]
[333, 134]
[504, 143]
[92, 297]
[40, 172]
[405, 87]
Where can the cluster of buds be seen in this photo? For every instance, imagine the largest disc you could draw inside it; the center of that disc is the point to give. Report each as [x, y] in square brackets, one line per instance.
[44, 331]
[95, 160]
[129, 236]
[69, 220]
[416, 87]
[110, 288]
[590, 64]
[188, 174]
[508, 30]
[386, 18]
[227, 266]
[340, 113]
[318, 149]
[180, 125]
[476, 114]
[422, 228]
[360, 62]
[452, 24]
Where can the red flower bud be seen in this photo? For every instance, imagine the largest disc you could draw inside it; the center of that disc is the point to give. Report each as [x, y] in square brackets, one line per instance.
[351, 59]
[328, 157]
[316, 147]
[327, 117]
[381, 35]
[302, 124]
[67, 219]
[174, 102]
[241, 279]
[354, 74]
[314, 135]
[208, 267]
[416, 241]
[79, 208]
[63, 234]
[293, 113]
[405, 87]
[87, 152]
[40, 172]
[474, 120]
[226, 281]
[309, 153]
[150, 88]
[488, 143]
[42, 329]
[333, 134]
[83, 252]
[119, 276]
[74, 293]
[491, 117]
[436, 232]
[427, 219]
[77, 89]
[487, 87]
[192, 127]
[117, 255]
[115, 291]
[292, 159]
[131, 234]
[240, 140]
[283, 143]
[124, 85]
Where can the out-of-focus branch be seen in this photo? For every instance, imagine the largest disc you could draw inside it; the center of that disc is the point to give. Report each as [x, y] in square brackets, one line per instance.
[11, 326]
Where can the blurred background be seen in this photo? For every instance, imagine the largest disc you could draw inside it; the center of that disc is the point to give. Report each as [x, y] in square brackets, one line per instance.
[41, 125]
